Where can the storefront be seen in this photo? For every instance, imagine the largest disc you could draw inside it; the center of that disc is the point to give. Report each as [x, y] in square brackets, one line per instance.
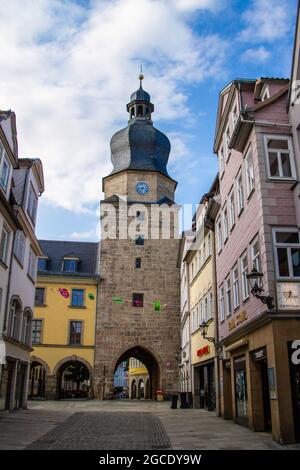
[207, 389]
[260, 379]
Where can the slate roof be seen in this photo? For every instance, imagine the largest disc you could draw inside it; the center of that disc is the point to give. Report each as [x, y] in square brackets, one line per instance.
[87, 252]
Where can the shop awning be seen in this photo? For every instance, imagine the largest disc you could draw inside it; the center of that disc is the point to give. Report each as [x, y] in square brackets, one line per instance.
[238, 344]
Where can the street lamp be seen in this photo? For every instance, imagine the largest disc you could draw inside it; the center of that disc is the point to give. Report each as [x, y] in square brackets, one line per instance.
[254, 279]
[204, 327]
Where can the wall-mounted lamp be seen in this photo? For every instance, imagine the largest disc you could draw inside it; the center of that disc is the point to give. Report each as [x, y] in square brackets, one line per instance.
[254, 279]
[204, 328]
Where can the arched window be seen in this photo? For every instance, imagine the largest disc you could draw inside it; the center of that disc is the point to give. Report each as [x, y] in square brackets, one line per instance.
[132, 112]
[140, 111]
[15, 315]
[26, 328]
[147, 111]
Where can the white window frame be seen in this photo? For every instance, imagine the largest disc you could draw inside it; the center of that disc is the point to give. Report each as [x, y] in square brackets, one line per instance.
[290, 151]
[219, 235]
[226, 140]
[288, 246]
[225, 224]
[228, 296]
[32, 264]
[249, 171]
[20, 245]
[4, 159]
[201, 311]
[210, 303]
[239, 192]
[32, 203]
[222, 161]
[234, 115]
[205, 301]
[235, 287]
[256, 259]
[6, 233]
[221, 303]
[231, 209]
[265, 92]
[244, 271]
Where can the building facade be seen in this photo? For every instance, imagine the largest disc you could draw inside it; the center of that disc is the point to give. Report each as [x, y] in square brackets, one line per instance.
[138, 313]
[21, 184]
[63, 330]
[138, 380]
[256, 231]
[200, 259]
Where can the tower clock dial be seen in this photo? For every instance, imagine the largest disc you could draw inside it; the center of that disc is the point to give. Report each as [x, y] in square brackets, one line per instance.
[142, 188]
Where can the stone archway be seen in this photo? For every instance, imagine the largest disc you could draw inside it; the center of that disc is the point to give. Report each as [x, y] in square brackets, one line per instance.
[39, 372]
[67, 388]
[150, 362]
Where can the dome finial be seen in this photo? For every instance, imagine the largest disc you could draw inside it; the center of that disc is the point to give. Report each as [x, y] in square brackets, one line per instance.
[141, 76]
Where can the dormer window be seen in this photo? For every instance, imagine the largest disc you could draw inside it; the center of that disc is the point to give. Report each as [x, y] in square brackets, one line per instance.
[4, 169]
[32, 204]
[265, 93]
[43, 263]
[234, 117]
[70, 265]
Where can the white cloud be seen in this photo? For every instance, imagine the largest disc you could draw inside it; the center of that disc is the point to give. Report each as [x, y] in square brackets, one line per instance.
[68, 71]
[85, 235]
[266, 20]
[260, 54]
[192, 5]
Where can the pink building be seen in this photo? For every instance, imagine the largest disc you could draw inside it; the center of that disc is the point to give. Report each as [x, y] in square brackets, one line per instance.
[256, 227]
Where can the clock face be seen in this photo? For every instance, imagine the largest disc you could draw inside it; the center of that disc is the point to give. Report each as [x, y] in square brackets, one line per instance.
[142, 188]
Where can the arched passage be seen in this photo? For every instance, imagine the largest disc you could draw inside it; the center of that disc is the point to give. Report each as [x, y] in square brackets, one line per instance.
[133, 389]
[37, 378]
[150, 362]
[73, 380]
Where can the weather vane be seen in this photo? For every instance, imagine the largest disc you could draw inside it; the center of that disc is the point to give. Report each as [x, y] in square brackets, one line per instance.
[141, 76]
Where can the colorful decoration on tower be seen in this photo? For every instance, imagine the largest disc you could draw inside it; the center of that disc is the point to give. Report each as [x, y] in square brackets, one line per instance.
[64, 293]
[91, 296]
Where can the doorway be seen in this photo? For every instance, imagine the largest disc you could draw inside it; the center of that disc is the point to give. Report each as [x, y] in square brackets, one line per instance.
[295, 390]
[241, 393]
[266, 394]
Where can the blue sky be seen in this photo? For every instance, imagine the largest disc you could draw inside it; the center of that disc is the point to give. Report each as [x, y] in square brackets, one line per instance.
[69, 74]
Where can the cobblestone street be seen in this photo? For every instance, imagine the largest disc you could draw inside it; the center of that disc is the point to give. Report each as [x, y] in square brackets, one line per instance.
[123, 425]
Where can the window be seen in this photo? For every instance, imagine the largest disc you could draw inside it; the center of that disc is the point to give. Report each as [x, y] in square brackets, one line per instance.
[77, 299]
[137, 300]
[210, 305]
[4, 169]
[234, 116]
[32, 204]
[70, 265]
[19, 245]
[279, 157]
[32, 265]
[221, 161]
[138, 263]
[140, 215]
[206, 309]
[36, 331]
[226, 144]
[225, 224]
[235, 287]
[221, 301]
[228, 296]
[4, 242]
[219, 236]
[231, 210]
[75, 332]
[240, 193]
[197, 318]
[15, 325]
[140, 240]
[265, 93]
[201, 313]
[209, 245]
[42, 264]
[255, 256]
[26, 331]
[249, 172]
[244, 271]
[40, 296]
[287, 253]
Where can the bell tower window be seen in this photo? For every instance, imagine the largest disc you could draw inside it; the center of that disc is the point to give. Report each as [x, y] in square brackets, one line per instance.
[132, 113]
[140, 111]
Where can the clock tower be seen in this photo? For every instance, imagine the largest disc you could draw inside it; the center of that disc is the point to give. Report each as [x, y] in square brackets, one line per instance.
[138, 303]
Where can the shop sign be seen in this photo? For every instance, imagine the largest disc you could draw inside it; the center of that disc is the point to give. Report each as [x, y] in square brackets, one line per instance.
[231, 324]
[288, 295]
[202, 351]
[240, 318]
[259, 354]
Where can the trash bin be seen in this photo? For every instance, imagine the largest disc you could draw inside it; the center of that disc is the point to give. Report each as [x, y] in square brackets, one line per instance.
[183, 400]
[159, 394]
[174, 399]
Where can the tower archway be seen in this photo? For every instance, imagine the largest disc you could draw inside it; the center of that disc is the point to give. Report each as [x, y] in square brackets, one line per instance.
[148, 359]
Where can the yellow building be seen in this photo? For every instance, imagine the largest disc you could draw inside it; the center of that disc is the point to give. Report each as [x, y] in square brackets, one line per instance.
[63, 332]
[138, 379]
[202, 306]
